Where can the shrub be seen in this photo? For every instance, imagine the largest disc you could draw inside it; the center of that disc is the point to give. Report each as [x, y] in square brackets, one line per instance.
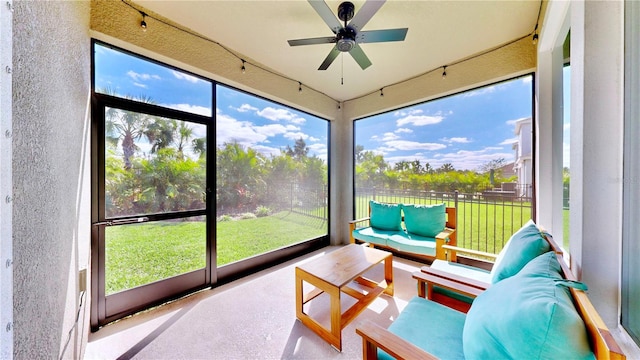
[247, 216]
[262, 211]
[225, 217]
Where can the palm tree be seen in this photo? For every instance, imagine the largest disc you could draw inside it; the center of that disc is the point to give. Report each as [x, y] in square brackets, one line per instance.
[125, 126]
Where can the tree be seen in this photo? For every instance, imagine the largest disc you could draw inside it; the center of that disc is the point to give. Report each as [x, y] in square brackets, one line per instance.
[402, 166]
[416, 167]
[359, 153]
[299, 151]
[238, 174]
[445, 168]
[494, 165]
[127, 127]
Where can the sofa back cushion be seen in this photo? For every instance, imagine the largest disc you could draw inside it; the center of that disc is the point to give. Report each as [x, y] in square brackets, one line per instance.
[425, 220]
[523, 246]
[385, 216]
[530, 315]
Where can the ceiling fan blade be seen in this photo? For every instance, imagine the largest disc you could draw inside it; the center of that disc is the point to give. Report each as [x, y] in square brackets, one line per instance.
[312, 41]
[365, 13]
[326, 14]
[329, 59]
[373, 36]
[360, 57]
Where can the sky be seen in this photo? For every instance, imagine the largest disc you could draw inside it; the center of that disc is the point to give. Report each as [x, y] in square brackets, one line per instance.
[467, 130]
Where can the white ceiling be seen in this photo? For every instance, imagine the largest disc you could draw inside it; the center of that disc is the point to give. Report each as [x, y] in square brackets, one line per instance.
[440, 33]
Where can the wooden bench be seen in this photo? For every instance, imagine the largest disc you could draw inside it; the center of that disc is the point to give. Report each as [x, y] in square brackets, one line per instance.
[428, 253]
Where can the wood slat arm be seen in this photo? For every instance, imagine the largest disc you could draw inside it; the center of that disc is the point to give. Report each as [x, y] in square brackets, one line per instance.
[427, 281]
[441, 240]
[352, 226]
[374, 337]
[359, 220]
[455, 278]
[453, 250]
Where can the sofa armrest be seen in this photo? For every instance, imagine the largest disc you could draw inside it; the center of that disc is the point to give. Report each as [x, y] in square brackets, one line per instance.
[441, 240]
[352, 226]
[455, 278]
[374, 337]
[426, 282]
[454, 250]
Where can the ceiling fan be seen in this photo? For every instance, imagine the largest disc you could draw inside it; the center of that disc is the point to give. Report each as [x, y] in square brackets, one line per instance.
[348, 36]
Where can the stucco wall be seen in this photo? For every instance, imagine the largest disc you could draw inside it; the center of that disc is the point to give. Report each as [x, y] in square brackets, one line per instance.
[51, 86]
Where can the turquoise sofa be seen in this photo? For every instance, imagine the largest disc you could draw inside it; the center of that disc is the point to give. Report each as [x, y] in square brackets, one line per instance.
[418, 230]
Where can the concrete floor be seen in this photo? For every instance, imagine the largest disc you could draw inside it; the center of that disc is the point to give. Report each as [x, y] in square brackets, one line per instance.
[252, 318]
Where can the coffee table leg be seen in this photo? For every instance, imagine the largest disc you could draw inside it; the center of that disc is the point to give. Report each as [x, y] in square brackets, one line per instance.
[388, 275]
[299, 295]
[336, 320]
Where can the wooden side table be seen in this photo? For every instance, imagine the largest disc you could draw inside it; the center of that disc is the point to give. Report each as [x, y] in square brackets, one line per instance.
[331, 274]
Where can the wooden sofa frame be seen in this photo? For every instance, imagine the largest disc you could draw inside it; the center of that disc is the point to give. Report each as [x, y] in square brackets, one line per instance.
[429, 277]
[373, 336]
[449, 232]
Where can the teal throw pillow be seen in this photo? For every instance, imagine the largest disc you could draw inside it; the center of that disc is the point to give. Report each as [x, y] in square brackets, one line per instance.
[522, 247]
[424, 220]
[385, 216]
[527, 316]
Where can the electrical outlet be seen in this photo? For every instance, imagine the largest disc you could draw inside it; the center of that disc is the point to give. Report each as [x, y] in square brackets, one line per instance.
[82, 280]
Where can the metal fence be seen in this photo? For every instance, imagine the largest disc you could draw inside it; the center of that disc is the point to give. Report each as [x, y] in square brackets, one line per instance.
[485, 220]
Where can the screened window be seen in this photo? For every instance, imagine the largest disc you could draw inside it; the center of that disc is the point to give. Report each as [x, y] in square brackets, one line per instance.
[473, 151]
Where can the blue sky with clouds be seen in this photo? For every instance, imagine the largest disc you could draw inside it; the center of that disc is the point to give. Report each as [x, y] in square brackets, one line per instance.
[466, 130]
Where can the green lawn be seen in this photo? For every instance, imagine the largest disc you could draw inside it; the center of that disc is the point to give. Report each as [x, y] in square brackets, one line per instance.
[142, 253]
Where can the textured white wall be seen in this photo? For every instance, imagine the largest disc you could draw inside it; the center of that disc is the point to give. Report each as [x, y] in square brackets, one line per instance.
[6, 184]
[51, 86]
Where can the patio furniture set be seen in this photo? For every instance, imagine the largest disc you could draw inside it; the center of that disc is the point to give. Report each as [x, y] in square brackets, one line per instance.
[529, 305]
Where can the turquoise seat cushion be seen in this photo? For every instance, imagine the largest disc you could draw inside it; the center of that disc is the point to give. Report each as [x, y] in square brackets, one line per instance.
[385, 216]
[374, 236]
[412, 243]
[527, 316]
[425, 220]
[523, 246]
[430, 326]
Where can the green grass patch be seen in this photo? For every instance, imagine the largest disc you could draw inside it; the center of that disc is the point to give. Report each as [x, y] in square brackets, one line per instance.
[142, 253]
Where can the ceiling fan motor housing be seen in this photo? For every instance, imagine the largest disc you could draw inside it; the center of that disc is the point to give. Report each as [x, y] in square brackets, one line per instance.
[346, 39]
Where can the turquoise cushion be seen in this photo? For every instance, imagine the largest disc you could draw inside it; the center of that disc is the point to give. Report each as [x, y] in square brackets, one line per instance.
[412, 243]
[385, 216]
[527, 316]
[425, 220]
[522, 247]
[430, 326]
[374, 236]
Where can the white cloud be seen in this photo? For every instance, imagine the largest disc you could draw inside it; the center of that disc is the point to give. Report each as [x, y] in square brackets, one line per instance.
[419, 120]
[461, 160]
[194, 109]
[183, 76]
[389, 136]
[141, 77]
[280, 114]
[314, 139]
[246, 108]
[296, 135]
[266, 150]
[272, 129]
[527, 79]
[140, 85]
[413, 145]
[402, 113]
[403, 130]
[459, 140]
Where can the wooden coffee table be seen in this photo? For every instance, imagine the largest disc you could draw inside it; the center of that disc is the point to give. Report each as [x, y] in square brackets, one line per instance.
[331, 274]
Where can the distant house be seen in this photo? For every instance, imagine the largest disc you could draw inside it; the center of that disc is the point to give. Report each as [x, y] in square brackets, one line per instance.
[523, 166]
[507, 170]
